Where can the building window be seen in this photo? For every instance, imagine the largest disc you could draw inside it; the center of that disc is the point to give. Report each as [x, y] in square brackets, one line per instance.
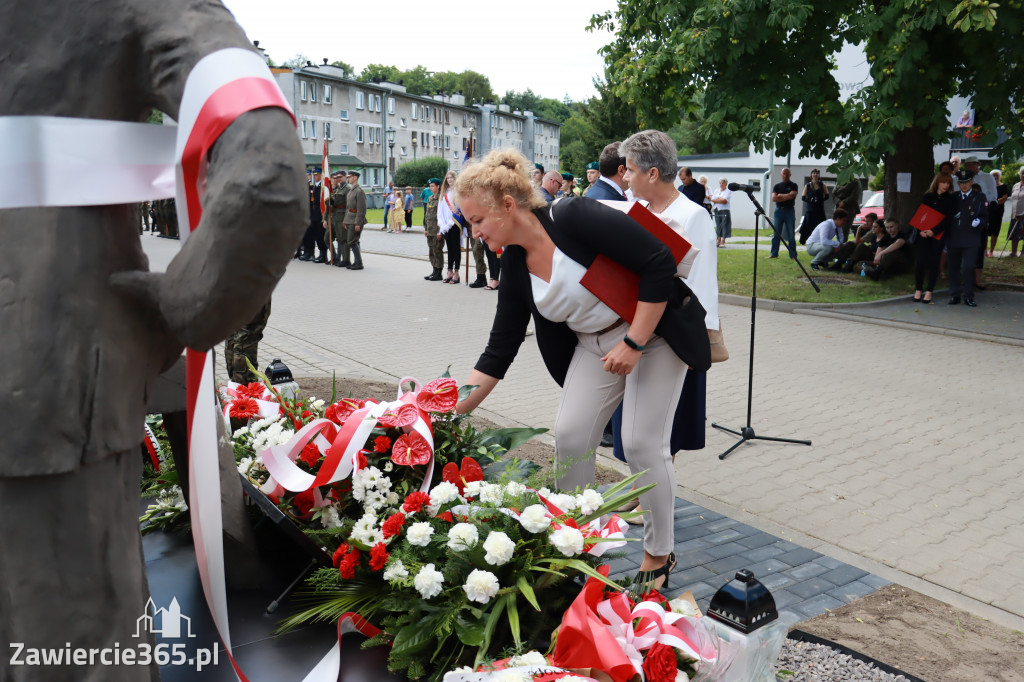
[343, 115]
[391, 105]
[328, 133]
[464, 123]
[305, 129]
[404, 153]
[447, 141]
[344, 148]
[456, 131]
[376, 100]
[302, 90]
[312, 129]
[377, 135]
[359, 134]
[447, 117]
[327, 94]
[360, 99]
[403, 123]
[501, 123]
[312, 92]
[415, 110]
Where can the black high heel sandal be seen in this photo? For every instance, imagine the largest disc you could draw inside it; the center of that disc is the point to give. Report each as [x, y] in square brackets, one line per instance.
[645, 580]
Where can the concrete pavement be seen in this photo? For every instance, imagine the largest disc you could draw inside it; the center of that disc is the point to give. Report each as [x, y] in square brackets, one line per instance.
[915, 474]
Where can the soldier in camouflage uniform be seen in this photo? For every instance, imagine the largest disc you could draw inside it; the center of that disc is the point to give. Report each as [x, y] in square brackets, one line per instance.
[480, 261]
[338, 204]
[435, 242]
[243, 345]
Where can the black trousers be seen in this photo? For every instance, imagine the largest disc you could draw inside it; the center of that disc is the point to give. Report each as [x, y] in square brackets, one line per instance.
[408, 218]
[927, 254]
[314, 235]
[962, 262]
[493, 262]
[451, 240]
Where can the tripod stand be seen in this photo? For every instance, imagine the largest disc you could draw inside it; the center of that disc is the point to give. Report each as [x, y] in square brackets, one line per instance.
[746, 433]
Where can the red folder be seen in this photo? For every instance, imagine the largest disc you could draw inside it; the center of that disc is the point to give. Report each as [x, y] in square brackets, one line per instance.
[926, 218]
[617, 286]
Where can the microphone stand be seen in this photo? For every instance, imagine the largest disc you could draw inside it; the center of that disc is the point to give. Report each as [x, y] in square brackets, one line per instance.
[746, 433]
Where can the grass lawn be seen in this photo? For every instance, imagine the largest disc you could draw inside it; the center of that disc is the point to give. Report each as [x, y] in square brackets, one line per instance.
[376, 216]
[782, 280]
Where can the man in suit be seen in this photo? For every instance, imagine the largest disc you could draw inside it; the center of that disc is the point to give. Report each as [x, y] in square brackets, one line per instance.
[965, 238]
[315, 231]
[610, 185]
[551, 185]
[90, 328]
[355, 218]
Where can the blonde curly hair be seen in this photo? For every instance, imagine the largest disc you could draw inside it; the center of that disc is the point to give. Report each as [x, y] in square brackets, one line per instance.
[503, 172]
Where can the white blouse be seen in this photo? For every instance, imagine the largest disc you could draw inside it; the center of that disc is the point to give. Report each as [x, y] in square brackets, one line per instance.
[564, 299]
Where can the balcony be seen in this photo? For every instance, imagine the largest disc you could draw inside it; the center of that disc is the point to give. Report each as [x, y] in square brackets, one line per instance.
[963, 140]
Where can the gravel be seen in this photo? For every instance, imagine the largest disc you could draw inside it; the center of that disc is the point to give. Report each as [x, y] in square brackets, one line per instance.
[807, 662]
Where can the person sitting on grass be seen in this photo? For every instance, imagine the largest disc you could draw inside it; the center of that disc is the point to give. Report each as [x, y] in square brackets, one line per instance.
[861, 249]
[823, 244]
[864, 230]
[891, 254]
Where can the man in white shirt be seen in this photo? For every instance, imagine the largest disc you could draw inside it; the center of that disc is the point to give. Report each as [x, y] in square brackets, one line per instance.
[825, 240]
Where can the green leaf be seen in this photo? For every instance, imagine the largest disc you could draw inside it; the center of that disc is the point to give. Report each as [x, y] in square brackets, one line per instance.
[512, 611]
[470, 630]
[513, 469]
[412, 638]
[334, 387]
[527, 591]
[509, 438]
[492, 622]
[464, 391]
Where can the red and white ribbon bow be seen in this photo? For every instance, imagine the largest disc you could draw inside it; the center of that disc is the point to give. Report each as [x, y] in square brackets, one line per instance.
[266, 404]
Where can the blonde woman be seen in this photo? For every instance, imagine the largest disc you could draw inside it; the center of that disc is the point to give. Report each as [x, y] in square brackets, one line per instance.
[397, 216]
[448, 228]
[599, 359]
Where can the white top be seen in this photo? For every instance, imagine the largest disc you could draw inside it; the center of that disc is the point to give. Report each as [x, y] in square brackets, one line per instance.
[693, 222]
[722, 194]
[825, 233]
[987, 181]
[445, 212]
[564, 299]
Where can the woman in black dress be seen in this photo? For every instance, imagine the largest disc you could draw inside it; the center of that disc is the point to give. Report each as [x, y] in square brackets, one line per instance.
[815, 194]
[928, 247]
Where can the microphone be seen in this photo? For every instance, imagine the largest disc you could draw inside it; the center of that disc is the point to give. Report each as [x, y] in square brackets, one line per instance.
[736, 187]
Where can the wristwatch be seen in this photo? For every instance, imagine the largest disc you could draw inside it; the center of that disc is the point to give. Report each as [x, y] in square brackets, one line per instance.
[632, 344]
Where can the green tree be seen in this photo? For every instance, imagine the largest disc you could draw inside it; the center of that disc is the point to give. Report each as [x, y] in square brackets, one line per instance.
[544, 107]
[346, 67]
[445, 81]
[416, 80]
[476, 87]
[416, 173]
[296, 62]
[379, 71]
[764, 71]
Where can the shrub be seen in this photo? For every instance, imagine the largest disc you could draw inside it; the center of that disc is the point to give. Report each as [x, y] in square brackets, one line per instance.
[416, 173]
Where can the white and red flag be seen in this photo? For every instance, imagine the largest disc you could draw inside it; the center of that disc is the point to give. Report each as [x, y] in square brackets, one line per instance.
[325, 184]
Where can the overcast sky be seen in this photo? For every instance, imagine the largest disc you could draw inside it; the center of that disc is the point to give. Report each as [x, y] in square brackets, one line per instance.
[517, 44]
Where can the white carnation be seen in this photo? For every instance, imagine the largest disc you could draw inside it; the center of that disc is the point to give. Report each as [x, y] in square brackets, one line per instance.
[682, 607]
[566, 503]
[589, 501]
[567, 540]
[499, 548]
[428, 581]
[244, 465]
[462, 536]
[492, 494]
[535, 518]
[395, 570]
[241, 431]
[473, 488]
[419, 534]
[317, 405]
[330, 518]
[392, 498]
[514, 489]
[443, 493]
[481, 586]
[545, 493]
[530, 659]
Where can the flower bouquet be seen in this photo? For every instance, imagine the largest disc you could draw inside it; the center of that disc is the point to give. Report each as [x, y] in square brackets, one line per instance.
[457, 575]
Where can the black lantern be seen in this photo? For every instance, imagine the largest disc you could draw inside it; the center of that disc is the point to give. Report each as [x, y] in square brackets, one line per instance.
[743, 604]
[278, 372]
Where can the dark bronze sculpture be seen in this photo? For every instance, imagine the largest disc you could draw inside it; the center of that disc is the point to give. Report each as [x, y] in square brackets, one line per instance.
[86, 329]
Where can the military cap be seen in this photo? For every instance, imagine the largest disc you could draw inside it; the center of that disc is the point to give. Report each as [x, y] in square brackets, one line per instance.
[963, 176]
[592, 165]
[567, 176]
[539, 167]
[434, 181]
[316, 170]
[353, 172]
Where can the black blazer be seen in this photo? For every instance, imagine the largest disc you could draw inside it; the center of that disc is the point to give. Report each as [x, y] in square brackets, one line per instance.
[582, 230]
[602, 191]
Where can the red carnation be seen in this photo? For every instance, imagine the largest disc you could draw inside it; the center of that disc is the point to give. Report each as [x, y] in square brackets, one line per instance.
[347, 567]
[342, 410]
[393, 525]
[471, 471]
[361, 460]
[440, 395]
[447, 516]
[411, 449]
[340, 553]
[654, 596]
[378, 557]
[252, 390]
[406, 415]
[310, 454]
[415, 501]
[306, 413]
[381, 444]
[660, 663]
[244, 408]
[304, 502]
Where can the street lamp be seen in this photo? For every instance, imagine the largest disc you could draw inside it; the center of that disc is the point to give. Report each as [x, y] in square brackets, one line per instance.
[391, 150]
[414, 145]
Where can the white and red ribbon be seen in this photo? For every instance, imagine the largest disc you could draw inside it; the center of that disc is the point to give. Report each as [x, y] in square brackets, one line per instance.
[267, 403]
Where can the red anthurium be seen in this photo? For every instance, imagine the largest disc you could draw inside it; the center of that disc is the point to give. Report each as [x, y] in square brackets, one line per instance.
[471, 471]
[406, 415]
[341, 410]
[244, 408]
[411, 449]
[440, 395]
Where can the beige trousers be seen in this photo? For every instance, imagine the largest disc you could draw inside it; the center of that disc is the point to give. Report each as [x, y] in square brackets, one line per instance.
[649, 395]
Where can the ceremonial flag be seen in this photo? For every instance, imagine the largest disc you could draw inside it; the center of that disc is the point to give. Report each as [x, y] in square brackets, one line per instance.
[469, 150]
[325, 186]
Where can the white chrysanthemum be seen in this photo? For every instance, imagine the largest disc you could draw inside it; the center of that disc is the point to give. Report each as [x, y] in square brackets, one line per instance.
[392, 498]
[492, 494]
[499, 548]
[244, 465]
[241, 431]
[419, 534]
[566, 503]
[428, 581]
[330, 518]
[263, 423]
[443, 493]
[317, 405]
[374, 500]
[388, 466]
[366, 531]
[481, 586]
[462, 536]
[514, 489]
[535, 518]
[395, 570]
[529, 659]
[682, 607]
[567, 540]
[473, 488]
[589, 501]
[371, 477]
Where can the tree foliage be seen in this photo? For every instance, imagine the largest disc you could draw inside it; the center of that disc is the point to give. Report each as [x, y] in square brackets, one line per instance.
[544, 107]
[416, 173]
[475, 86]
[764, 69]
